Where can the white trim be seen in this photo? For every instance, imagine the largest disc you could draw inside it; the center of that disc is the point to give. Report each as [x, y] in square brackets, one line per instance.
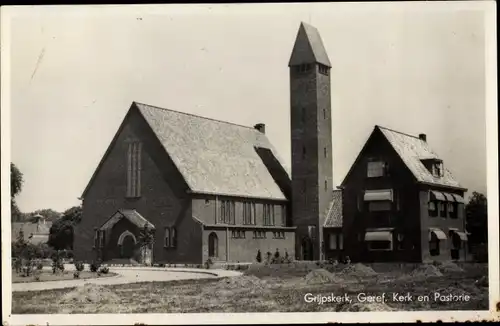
[123, 235]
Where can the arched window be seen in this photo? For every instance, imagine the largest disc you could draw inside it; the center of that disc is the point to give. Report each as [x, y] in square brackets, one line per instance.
[167, 238]
[213, 245]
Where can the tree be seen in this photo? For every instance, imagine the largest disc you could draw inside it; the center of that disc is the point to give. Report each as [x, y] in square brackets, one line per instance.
[16, 184]
[146, 240]
[49, 214]
[476, 212]
[61, 232]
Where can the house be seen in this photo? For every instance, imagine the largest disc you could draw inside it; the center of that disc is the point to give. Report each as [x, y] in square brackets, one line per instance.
[208, 189]
[35, 231]
[401, 203]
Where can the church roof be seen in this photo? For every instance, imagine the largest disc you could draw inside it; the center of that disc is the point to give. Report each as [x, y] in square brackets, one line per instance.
[214, 157]
[308, 47]
[130, 214]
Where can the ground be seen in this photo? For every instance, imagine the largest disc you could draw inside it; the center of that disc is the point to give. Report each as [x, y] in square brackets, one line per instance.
[46, 275]
[275, 288]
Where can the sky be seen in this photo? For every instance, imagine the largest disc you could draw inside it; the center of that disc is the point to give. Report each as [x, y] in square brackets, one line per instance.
[74, 71]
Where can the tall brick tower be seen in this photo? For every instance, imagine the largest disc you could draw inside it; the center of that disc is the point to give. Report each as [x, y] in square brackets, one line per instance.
[311, 135]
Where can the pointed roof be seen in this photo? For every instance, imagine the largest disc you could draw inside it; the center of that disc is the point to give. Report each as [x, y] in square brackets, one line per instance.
[130, 214]
[412, 150]
[214, 157]
[334, 216]
[308, 47]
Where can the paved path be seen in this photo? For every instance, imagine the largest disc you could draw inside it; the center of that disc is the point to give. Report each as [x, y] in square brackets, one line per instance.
[127, 275]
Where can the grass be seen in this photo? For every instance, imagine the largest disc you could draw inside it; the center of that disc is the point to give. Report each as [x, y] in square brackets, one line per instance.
[264, 289]
[46, 276]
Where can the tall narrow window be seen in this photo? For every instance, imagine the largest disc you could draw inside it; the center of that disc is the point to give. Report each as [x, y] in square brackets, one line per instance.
[326, 185]
[268, 214]
[283, 215]
[324, 113]
[167, 238]
[333, 241]
[134, 169]
[324, 151]
[173, 235]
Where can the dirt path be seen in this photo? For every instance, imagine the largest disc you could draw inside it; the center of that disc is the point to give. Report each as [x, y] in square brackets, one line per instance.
[128, 275]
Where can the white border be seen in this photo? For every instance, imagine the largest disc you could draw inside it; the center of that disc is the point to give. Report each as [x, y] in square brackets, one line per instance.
[489, 7]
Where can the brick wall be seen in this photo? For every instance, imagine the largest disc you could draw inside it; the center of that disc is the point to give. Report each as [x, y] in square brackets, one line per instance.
[164, 201]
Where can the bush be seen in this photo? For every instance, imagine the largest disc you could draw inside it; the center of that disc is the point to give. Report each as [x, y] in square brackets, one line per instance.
[76, 274]
[104, 270]
[209, 263]
[39, 265]
[79, 266]
[94, 266]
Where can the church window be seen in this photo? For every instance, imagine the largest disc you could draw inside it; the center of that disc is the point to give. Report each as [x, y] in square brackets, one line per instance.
[248, 213]
[167, 238]
[134, 169]
[227, 212]
[268, 214]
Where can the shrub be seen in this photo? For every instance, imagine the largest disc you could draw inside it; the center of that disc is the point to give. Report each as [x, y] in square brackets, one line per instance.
[94, 267]
[37, 278]
[79, 266]
[209, 263]
[104, 270]
[39, 265]
[259, 256]
[76, 274]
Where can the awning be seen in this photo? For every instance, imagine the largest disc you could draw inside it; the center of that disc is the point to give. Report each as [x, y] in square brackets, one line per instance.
[373, 195]
[449, 197]
[378, 236]
[462, 235]
[439, 234]
[458, 198]
[436, 195]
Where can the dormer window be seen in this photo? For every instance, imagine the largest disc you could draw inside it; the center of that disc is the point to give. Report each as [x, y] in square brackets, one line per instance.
[435, 166]
[323, 70]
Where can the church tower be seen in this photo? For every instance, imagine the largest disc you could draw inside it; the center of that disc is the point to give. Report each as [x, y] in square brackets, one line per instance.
[311, 136]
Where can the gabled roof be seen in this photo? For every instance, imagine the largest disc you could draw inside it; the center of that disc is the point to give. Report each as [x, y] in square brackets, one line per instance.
[334, 215]
[130, 214]
[308, 47]
[412, 150]
[213, 157]
[33, 232]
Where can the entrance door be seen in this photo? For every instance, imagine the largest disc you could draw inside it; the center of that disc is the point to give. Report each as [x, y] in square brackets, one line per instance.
[213, 245]
[307, 249]
[128, 246]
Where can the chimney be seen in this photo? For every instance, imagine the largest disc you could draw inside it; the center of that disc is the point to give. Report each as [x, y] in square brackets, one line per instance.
[423, 137]
[260, 127]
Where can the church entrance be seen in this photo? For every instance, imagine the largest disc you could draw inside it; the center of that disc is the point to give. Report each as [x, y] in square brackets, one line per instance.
[307, 249]
[128, 246]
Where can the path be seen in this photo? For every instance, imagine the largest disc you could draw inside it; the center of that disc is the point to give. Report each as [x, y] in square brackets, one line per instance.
[127, 275]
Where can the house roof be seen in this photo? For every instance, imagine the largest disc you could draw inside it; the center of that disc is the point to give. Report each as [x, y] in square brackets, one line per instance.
[308, 47]
[214, 157]
[130, 214]
[334, 215]
[412, 151]
[40, 231]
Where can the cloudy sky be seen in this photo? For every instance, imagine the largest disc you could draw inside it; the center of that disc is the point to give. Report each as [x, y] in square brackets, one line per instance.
[416, 68]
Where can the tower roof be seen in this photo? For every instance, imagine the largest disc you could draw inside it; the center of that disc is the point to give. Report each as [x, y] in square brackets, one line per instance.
[308, 47]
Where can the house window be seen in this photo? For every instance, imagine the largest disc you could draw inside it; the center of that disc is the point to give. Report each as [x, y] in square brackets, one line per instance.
[333, 241]
[437, 169]
[279, 235]
[377, 206]
[259, 234]
[376, 169]
[434, 245]
[324, 151]
[452, 210]
[227, 212]
[134, 169]
[433, 209]
[249, 213]
[442, 209]
[268, 214]
[238, 234]
[341, 241]
[379, 245]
